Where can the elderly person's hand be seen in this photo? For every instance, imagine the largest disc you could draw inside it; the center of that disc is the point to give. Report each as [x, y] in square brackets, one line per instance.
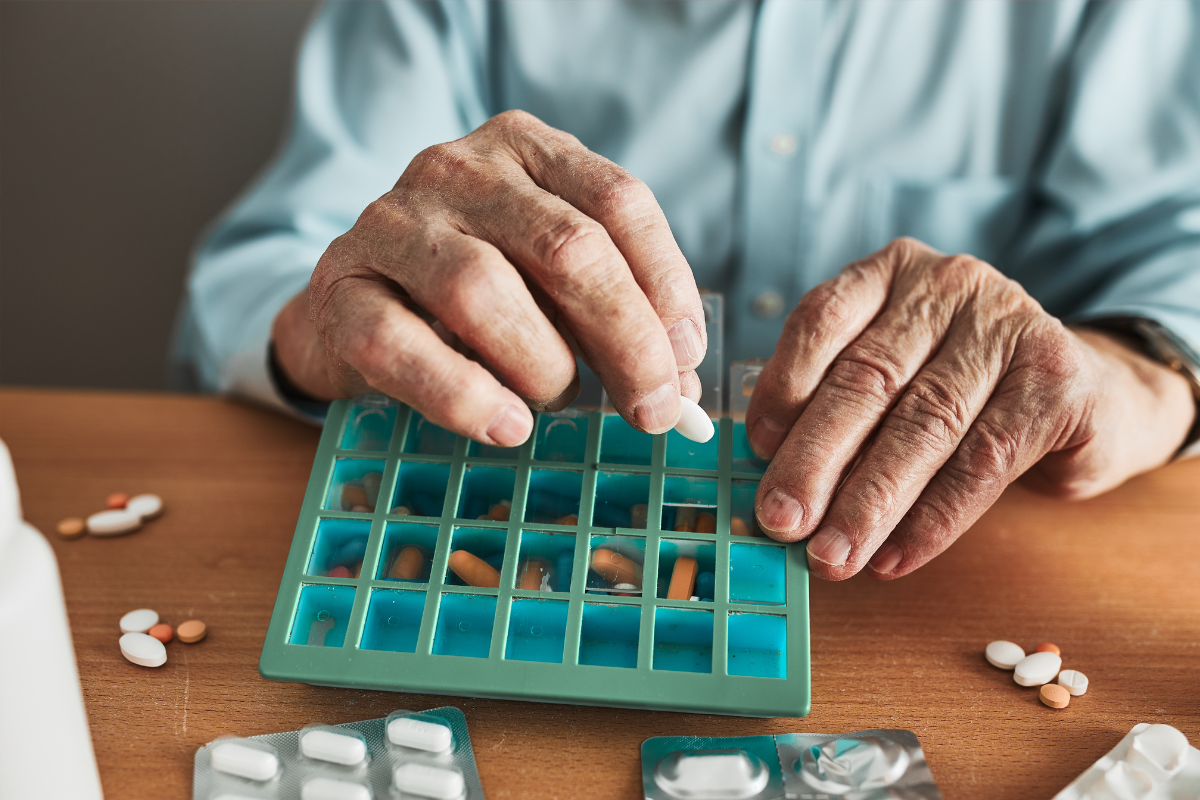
[909, 391]
[460, 290]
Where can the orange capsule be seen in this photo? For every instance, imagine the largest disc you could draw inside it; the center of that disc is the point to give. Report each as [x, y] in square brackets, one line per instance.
[533, 573]
[338, 572]
[473, 570]
[737, 527]
[706, 523]
[500, 511]
[117, 500]
[409, 564]
[616, 568]
[569, 519]
[354, 496]
[403, 511]
[71, 528]
[685, 519]
[162, 631]
[683, 579]
[1048, 647]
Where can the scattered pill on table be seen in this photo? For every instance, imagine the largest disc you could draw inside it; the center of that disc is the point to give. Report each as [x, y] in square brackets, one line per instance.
[409, 564]
[337, 748]
[419, 735]
[146, 506]
[1037, 668]
[113, 522]
[162, 631]
[139, 620]
[1005, 655]
[191, 631]
[616, 568]
[427, 781]
[1073, 681]
[322, 788]
[737, 527]
[473, 570]
[1048, 647]
[71, 528]
[1055, 696]
[683, 579]
[116, 500]
[143, 649]
[244, 761]
[693, 421]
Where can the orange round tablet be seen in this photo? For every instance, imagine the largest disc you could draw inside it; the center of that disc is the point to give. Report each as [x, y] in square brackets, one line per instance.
[1055, 696]
[117, 500]
[1048, 647]
[162, 631]
[191, 631]
[71, 528]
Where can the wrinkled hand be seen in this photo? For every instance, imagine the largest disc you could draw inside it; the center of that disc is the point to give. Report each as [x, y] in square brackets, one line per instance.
[909, 391]
[459, 290]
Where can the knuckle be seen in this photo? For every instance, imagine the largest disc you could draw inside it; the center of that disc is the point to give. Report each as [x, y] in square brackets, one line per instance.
[866, 372]
[990, 456]
[436, 165]
[933, 410]
[624, 196]
[571, 249]
[513, 119]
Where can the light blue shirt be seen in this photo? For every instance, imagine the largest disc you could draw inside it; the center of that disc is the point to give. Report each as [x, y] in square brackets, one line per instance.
[1059, 141]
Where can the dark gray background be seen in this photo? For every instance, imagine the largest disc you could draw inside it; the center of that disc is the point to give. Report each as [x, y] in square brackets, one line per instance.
[125, 127]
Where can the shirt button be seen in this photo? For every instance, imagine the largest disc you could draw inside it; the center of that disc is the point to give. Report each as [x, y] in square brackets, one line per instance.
[783, 144]
[768, 305]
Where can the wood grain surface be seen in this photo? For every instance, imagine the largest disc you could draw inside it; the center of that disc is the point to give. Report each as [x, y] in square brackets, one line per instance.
[1113, 581]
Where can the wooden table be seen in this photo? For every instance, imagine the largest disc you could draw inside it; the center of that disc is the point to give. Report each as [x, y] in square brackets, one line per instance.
[1113, 581]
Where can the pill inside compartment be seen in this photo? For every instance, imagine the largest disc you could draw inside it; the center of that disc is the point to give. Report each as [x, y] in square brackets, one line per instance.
[355, 485]
[689, 504]
[757, 573]
[408, 549]
[369, 425]
[420, 489]
[553, 497]
[731, 774]
[487, 493]
[476, 557]
[322, 615]
[757, 645]
[742, 520]
[686, 569]
[622, 500]
[683, 639]
[615, 565]
[561, 438]
[339, 548]
[622, 444]
[546, 562]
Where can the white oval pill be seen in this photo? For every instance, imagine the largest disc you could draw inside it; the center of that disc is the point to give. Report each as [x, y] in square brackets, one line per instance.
[244, 761]
[693, 421]
[1004, 655]
[426, 781]
[419, 735]
[113, 522]
[335, 747]
[143, 650]
[146, 506]
[139, 620]
[1037, 669]
[1073, 681]
[332, 789]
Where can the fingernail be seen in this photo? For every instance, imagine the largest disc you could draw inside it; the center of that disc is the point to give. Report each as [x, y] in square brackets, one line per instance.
[766, 437]
[780, 511]
[886, 558]
[659, 410]
[686, 342]
[510, 427]
[829, 546]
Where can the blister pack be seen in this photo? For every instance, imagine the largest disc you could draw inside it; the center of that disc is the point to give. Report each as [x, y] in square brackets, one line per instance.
[1152, 762]
[405, 755]
[877, 764]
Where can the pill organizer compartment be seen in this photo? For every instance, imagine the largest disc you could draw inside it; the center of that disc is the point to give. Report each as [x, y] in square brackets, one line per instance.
[757, 645]
[684, 499]
[322, 615]
[393, 620]
[486, 544]
[428, 439]
[553, 552]
[355, 485]
[480, 450]
[703, 553]
[537, 630]
[339, 547]
[609, 635]
[369, 425]
[420, 489]
[622, 500]
[757, 574]
[683, 452]
[397, 537]
[744, 459]
[741, 507]
[622, 444]
[484, 488]
[630, 549]
[683, 640]
[561, 438]
[464, 625]
[553, 497]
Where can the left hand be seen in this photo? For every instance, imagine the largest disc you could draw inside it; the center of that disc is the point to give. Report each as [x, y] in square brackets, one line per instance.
[908, 392]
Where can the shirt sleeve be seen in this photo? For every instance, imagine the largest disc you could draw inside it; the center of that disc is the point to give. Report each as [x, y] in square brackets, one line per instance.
[376, 83]
[1118, 226]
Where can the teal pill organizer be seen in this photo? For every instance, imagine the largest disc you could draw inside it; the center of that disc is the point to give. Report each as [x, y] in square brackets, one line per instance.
[369, 598]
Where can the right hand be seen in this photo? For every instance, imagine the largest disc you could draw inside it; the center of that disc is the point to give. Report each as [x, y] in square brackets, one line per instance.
[498, 249]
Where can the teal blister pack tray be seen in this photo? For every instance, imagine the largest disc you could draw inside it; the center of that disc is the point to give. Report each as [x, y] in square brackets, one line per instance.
[371, 596]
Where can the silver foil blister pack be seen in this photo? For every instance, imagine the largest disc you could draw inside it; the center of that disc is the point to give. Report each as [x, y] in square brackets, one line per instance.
[404, 756]
[877, 764]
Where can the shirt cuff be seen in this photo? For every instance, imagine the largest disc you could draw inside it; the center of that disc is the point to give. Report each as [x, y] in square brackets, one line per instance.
[251, 374]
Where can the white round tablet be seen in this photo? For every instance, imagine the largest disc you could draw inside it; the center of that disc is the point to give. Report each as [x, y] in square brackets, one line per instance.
[1004, 655]
[693, 421]
[1037, 669]
[146, 506]
[113, 522]
[143, 650]
[1073, 681]
[139, 620]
